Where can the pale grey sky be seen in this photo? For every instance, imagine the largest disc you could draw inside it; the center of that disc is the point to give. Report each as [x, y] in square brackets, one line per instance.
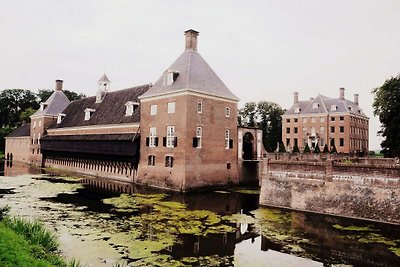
[262, 50]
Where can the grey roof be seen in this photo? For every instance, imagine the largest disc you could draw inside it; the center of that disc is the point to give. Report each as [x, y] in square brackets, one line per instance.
[23, 131]
[111, 110]
[324, 106]
[194, 75]
[104, 78]
[55, 104]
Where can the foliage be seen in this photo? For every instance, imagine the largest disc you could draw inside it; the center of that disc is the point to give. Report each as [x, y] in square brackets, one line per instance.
[387, 107]
[268, 117]
[26, 114]
[296, 149]
[333, 149]
[282, 148]
[326, 149]
[307, 149]
[4, 212]
[4, 131]
[317, 150]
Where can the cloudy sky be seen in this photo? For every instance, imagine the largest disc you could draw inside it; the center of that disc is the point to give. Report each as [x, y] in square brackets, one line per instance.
[262, 50]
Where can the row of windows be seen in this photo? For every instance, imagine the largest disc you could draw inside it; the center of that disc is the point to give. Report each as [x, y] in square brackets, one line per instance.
[314, 119]
[355, 130]
[39, 123]
[358, 120]
[358, 143]
[169, 161]
[34, 140]
[332, 128]
[321, 142]
[172, 141]
[171, 109]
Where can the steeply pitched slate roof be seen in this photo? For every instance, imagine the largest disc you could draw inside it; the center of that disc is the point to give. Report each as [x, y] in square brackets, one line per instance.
[56, 103]
[195, 75]
[111, 110]
[22, 131]
[325, 104]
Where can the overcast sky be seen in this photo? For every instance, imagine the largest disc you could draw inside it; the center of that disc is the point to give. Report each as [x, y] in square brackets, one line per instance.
[262, 50]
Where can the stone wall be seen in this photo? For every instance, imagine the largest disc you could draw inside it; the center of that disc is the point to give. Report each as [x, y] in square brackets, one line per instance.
[364, 189]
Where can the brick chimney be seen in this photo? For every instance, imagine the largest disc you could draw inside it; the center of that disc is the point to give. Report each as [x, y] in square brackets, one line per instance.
[296, 97]
[59, 85]
[341, 93]
[356, 99]
[191, 40]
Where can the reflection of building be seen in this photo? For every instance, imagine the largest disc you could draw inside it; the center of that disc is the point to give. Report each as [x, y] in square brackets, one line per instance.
[322, 120]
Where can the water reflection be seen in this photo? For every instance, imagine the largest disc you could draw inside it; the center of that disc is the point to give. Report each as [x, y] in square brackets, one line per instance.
[222, 228]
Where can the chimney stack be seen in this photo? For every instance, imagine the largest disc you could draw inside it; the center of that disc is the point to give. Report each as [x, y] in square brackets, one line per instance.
[341, 93]
[191, 40]
[59, 85]
[356, 99]
[296, 97]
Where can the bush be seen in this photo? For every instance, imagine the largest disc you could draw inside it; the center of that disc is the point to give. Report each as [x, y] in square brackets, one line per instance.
[326, 149]
[317, 150]
[296, 149]
[306, 149]
[333, 150]
[4, 212]
[282, 148]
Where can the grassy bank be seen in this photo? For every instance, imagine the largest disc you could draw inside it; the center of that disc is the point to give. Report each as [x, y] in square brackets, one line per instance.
[25, 243]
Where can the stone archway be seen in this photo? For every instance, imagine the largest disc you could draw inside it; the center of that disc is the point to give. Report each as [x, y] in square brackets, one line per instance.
[248, 146]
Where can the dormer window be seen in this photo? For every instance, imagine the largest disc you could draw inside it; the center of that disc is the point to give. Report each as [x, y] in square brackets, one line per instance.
[130, 107]
[297, 110]
[350, 108]
[43, 106]
[333, 108]
[60, 117]
[88, 113]
[315, 105]
[170, 77]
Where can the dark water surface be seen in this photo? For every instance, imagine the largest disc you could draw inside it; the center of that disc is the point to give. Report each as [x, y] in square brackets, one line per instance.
[220, 228]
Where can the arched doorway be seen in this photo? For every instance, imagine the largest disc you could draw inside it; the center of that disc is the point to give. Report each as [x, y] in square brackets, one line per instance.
[248, 140]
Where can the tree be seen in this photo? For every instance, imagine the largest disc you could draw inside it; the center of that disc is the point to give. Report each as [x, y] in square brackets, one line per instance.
[282, 148]
[387, 107]
[4, 131]
[317, 150]
[12, 103]
[307, 149]
[326, 149]
[268, 117]
[296, 149]
[26, 114]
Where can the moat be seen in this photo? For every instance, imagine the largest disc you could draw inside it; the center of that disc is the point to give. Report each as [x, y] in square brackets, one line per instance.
[100, 227]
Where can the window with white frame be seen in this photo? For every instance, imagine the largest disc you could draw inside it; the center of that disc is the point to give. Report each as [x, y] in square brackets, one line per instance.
[170, 136]
[171, 107]
[168, 78]
[315, 105]
[34, 124]
[199, 134]
[38, 138]
[227, 112]
[333, 108]
[151, 160]
[152, 137]
[88, 113]
[33, 139]
[199, 107]
[60, 117]
[227, 136]
[313, 119]
[40, 123]
[153, 110]
[321, 119]
[169, 161]
[130, 108]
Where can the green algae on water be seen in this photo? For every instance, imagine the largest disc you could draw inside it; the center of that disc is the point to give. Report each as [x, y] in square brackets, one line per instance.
[352, 228]
[395, 251]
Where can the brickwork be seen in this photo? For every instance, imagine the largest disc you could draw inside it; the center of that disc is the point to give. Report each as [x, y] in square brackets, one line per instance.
[18, 149]
[366, 190]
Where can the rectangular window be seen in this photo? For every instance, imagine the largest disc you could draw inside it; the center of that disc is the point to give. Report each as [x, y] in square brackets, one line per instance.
[288, 130]
[34, 124]
[304, 120]
[227, 112]
[287, 141]
[322, 119]
[151, 160]
[321, 130]
[200, 107]
[341, 129]
[227, 136]
[322, 142]
[153, 110]
[38, 138]
[153, 137]
[313, 119]
[304, 130]
[332, 118]
[40, 123]
[169, 161]
[199, 134]
[288, 120]
[341, 118]
[296, 120]
[170, 136]
[341, 141]
[295, 130]
[332, 129]
[171, 107]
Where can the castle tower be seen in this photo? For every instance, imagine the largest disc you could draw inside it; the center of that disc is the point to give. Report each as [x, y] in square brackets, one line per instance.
[188, 126]
[104, 86]
[44, 117]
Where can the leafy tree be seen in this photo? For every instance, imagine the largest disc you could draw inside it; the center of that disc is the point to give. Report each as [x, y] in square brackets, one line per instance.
[317, 150]
[268, 117]
[306, 149]
[4, 131]
[326, 149]
[282, 148]
[26, 114]
[387, 107]
[333, 149]
[296, 149]
[13, 102]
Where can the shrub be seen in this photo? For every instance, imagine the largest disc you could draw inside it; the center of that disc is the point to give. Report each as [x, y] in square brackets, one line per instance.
[317, 150]
[282, 148]
[326, 149]
[296, 149]
[306, 149]
[333, 150]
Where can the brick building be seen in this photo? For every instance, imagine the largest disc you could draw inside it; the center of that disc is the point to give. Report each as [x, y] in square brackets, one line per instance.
[322, 120]
[180, 133]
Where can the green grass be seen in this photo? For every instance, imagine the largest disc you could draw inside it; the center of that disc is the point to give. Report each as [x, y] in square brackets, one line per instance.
[25, 243]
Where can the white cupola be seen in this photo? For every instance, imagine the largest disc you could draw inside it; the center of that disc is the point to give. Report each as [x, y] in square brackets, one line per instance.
[104, 86]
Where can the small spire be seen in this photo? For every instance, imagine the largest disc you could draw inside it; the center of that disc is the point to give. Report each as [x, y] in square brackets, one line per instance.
[104, 78]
